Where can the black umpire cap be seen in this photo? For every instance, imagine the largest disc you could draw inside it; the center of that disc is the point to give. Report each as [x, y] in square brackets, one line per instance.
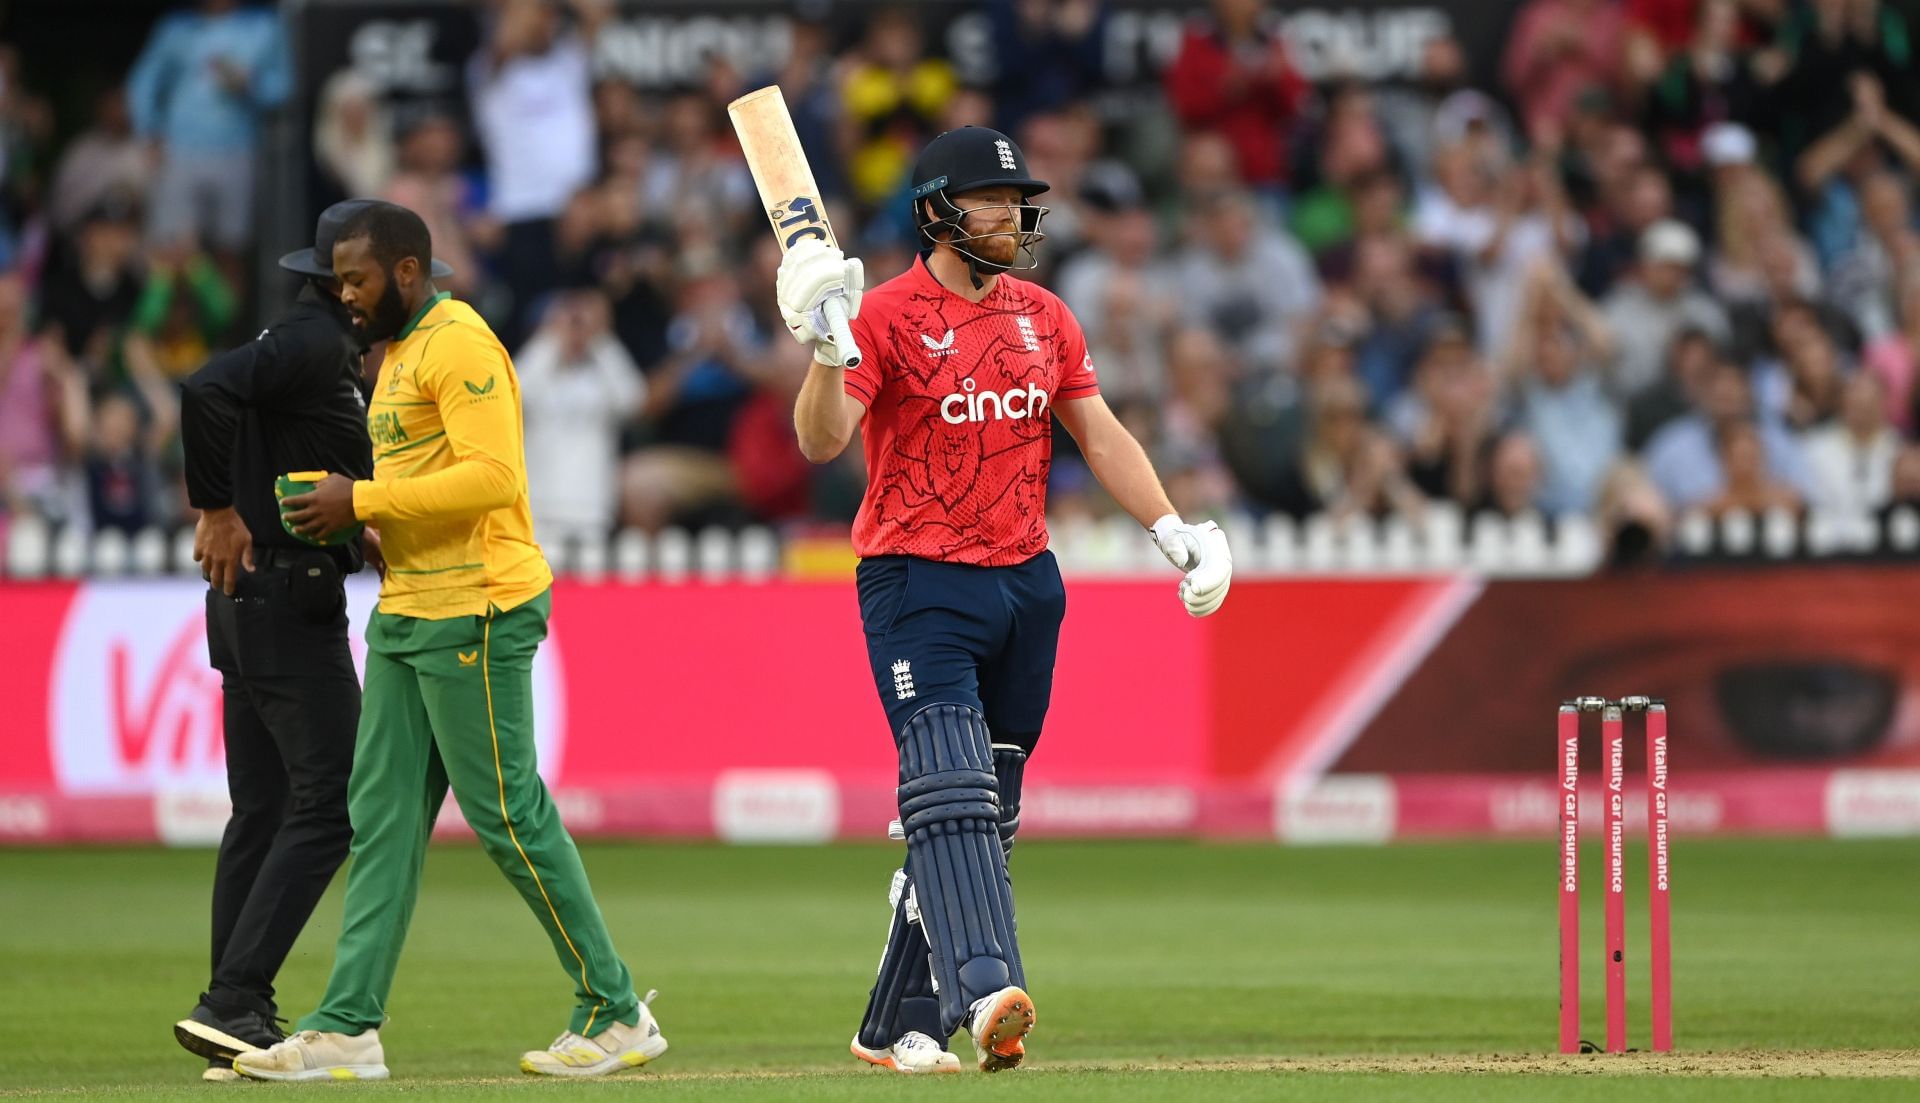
[318, 261]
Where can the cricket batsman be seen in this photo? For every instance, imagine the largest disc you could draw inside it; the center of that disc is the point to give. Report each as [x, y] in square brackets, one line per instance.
[449, 684]
[963, 369]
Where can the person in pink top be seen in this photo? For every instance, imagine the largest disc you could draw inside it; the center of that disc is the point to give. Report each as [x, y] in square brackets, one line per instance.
[1559, 49]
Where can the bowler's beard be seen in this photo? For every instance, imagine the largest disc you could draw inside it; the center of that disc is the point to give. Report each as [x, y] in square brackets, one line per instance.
[388, 316]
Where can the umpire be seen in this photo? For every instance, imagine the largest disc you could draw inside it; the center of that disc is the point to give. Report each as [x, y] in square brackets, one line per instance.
[290, 400]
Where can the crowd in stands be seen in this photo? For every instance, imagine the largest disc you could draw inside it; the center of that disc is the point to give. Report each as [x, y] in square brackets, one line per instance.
[1665, 260]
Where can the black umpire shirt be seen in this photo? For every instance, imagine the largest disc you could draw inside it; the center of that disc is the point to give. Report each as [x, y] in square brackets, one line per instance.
[290, 400]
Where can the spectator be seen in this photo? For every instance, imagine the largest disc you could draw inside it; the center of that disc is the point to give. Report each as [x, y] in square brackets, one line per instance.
[199, 91]
[353, 137]
[533, 108]
[1199, 390]
[1708, 82]
[105, 160]
[1557, 50]
[1513, 477]
[1411, 113]
[183, 314]
[1645, 313]
[1681, 388]
[698, 160]
[1232, 77]
[1830, 170]
[893, 96]
[1749, 486]
[1684, 459]
[1833, 47]
[1813, 377]
[1445, 422]
[1349, 150]
[427, 181]
[1752, 222]
[1864, 277]
[1630, 203]
[1379, 206]
[89, 298]
[1561, 403]
[1400, 312]
[1248, 280]
[26, 123]
[122, 484]
[1499, 221]
[1116, 287]
[693, 398]
[43, 416]
[1047, 54]
[579, 389]
[1347, 468]
[775, 482]
[1852, 461]
[1893, 357]
[809, 82]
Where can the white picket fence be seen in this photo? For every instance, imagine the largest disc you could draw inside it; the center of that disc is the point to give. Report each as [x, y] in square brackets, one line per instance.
[1443, 540]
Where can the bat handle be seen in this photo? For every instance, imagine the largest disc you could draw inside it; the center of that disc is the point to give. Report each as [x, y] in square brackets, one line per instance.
[835, 309]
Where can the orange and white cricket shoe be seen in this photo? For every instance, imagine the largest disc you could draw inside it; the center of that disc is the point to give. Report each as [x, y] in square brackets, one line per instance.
[999, 1024]
[914, 1053]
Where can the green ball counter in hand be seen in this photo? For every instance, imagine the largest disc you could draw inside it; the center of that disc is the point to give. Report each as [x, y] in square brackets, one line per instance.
[301, 482]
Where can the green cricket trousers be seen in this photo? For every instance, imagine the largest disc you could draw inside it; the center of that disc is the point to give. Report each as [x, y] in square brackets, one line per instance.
[451, 702]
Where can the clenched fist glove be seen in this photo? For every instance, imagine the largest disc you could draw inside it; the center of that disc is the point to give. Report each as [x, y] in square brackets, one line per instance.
[811, 273]
[1201, 553]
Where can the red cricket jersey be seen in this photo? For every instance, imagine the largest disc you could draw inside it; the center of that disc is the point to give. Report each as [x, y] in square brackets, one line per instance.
[959, 426]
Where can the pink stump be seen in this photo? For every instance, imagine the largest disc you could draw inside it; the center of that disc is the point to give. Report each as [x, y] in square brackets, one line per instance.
[1658, 917]
[1613, 739]
[1569, 747]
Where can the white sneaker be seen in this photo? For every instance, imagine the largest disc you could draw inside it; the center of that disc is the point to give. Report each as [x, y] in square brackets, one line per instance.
[999, 1024]
[317, 1055]
[913, 1053]
[614, 1049]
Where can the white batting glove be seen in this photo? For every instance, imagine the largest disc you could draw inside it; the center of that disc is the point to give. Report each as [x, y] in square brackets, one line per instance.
[1199, 552]
[811, 273]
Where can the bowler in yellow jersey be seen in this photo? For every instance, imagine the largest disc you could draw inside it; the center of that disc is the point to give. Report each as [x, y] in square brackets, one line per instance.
[449, 689]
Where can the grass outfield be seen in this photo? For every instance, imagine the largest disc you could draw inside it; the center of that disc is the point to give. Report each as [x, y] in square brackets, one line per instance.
[1159, 970]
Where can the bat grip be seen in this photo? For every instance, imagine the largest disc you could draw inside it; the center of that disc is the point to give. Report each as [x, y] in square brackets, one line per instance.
[835, 309]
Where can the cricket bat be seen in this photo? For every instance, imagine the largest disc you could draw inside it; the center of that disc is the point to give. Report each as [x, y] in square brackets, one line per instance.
[787, 190]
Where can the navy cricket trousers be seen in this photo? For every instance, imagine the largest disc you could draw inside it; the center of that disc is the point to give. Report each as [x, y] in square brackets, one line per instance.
[951, 633]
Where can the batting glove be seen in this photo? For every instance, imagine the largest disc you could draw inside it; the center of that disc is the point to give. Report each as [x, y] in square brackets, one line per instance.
[1201, 554]
[811, 273]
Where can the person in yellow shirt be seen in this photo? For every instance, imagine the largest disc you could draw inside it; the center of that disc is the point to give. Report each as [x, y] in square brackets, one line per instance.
[449, 686]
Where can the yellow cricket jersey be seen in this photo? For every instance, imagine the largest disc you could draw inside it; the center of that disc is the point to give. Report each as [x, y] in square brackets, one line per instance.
[449, 486]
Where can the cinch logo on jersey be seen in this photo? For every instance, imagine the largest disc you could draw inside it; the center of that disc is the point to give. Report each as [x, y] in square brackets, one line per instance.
[1014, 402]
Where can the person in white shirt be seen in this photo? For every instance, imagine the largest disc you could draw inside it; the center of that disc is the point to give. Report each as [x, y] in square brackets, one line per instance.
[579, 387]
[533, 109]
[1852, 460]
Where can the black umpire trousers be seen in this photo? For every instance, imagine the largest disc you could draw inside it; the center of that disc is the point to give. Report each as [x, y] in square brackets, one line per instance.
[292, 705]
